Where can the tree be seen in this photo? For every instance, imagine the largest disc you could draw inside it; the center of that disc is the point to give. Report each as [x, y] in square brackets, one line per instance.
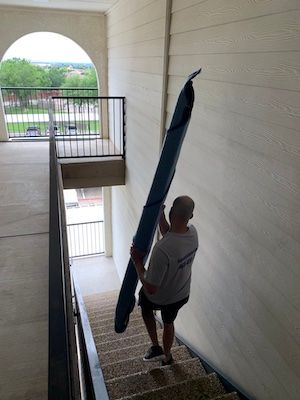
[57, 76]
[17, 72]
[89, 78]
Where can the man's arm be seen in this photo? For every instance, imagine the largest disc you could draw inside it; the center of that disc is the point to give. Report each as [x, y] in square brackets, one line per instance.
[137, 258]
[163, 223]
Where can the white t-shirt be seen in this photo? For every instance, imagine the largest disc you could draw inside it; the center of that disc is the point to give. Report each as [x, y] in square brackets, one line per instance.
[170, 266]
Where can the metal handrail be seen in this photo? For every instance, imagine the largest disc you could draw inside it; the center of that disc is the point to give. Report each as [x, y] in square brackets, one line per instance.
[59, 376]
[49, 88]
[63, 374]
[85, 223]
[95, 388]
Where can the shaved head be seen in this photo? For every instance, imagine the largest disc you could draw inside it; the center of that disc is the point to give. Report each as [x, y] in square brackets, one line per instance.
[183, 207]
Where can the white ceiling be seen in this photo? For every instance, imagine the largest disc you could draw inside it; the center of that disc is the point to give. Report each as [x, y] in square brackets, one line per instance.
[82, 5]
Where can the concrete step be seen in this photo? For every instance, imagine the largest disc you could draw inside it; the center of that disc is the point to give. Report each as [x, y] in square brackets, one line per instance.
[134, 365]
[100, 296]
[156, 378]
[124, 353]
[104, 314]
[203, 388]
[100, 336]
[126, 342]
[95, 322]
[228, 396]
[133, 323]
[108, 305]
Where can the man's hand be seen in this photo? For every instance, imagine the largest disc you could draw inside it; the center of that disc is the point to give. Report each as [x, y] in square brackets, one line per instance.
[163, 223]
[137, 257]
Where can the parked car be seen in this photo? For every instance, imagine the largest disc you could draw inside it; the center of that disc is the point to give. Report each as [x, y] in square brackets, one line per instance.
[56, 130]
[72, 130]
[33, 131]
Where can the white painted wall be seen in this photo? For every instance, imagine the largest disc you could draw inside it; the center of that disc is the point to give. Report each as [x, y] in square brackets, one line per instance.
[136, 48]
[241, 164]
[88, 30]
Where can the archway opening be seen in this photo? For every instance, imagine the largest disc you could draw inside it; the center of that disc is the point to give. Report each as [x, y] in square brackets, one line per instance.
[35, 68]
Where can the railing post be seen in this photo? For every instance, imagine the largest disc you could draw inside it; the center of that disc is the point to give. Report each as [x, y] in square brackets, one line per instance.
[3, 131]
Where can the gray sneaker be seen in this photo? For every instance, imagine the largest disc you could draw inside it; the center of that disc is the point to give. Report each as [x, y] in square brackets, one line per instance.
[154, 353]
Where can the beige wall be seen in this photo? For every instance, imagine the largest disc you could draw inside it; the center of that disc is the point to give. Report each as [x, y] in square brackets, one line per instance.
[135, 50]
[88, 30]
[240, 162]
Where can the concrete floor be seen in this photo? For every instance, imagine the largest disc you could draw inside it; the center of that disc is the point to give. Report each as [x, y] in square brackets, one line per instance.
[24, 249]
[95, 274]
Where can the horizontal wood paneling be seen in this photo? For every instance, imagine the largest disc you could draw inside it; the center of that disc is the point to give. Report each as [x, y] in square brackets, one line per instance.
[151, 65]
[270, 70]
[150, 48]
[241, 163]
[278, 32]
[135, 51]
[281, 107]
[142, 16]
[216, 12]
[151, 31]
[125, 8]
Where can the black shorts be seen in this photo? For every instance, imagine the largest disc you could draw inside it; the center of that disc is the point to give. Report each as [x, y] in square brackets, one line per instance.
[168, 311]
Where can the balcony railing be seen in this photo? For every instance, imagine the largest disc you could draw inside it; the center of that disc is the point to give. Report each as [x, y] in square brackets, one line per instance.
[27, 109]
[84, 124]
[89, 126]
[86, 238]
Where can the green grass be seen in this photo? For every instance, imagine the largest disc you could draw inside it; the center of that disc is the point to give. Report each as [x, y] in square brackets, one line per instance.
[20, 128]
[25, 110]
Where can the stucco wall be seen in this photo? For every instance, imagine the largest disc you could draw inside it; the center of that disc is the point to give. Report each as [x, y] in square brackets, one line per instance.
[88, 30]
[240, 162]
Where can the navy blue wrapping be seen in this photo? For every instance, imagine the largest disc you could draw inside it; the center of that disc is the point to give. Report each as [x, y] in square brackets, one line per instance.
[159, 189]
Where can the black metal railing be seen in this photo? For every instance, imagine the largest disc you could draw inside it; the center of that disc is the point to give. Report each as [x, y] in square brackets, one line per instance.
[89, 126]
[92, 380]
[86, 238]
[73, 364]
[26, 109]
[59, 362]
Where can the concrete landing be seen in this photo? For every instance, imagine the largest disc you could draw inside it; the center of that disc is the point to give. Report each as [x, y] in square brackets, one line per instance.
[24, 236]
[95, 274]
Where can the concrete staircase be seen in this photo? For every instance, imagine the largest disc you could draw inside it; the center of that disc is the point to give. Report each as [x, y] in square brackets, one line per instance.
[128, 377]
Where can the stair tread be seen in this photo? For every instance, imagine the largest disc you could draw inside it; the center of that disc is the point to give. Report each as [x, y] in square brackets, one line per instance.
[228, 396]
[132, 351]
[137, 339]
[111, 321]
[155, 378]
[110, 328]
[128, 377]
[95, 296]
[133, 365]
[99, 313]
[203, 388]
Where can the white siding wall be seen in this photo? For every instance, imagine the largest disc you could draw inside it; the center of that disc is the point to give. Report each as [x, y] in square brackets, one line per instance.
[241, 164]
[135, 55]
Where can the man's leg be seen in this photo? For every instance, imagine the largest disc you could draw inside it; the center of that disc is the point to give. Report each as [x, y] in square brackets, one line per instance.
[168, 337]
[150, 323]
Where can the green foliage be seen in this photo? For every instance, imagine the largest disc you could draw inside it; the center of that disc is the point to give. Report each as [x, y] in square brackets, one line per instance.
[87, 79]
[57, 76]
[19, 72]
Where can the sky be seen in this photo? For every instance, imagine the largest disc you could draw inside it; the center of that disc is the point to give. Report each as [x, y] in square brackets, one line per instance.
[47, 47]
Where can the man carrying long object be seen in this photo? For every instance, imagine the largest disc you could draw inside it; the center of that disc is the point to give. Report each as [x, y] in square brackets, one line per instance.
[158, 192]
